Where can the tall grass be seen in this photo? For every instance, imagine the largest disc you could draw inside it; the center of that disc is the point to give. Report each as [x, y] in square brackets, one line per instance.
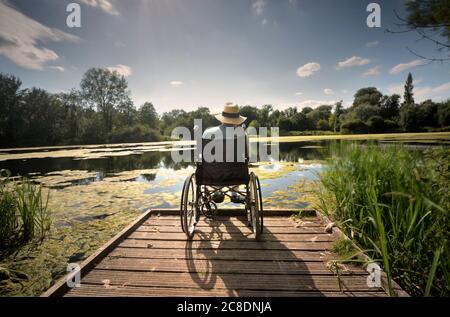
[394, 202]
[23, 211]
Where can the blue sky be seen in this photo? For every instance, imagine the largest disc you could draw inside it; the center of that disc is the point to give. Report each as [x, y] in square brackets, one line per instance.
[190, 53]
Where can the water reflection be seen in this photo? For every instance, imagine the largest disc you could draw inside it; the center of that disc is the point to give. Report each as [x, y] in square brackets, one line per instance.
[289, 152]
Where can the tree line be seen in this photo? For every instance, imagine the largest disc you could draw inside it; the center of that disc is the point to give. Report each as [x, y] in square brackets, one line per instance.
[101, 111]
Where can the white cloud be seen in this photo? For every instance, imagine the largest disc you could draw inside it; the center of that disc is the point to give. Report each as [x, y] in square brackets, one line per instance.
[264, 21]
[176, 83]
[397, 69]
[396, 89]
[308, 69]
[344, 91]
[374, 71]
[259, 6]
[372, 44]
[20, 35]
[104, 5]
[440, 92]
[352, 62]
[315, 103]
[328, 91]
[298, 93]
[123, 70]
[59, 68]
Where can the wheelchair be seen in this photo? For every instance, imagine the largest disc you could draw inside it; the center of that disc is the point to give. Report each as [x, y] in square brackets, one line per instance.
[225, 178]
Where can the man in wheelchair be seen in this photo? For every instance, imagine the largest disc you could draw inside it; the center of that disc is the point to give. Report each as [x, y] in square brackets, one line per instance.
[232, 132]
[222, 170]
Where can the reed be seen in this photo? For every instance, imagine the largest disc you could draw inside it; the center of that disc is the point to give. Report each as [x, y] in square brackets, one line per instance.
[394, 202]
[23, 211]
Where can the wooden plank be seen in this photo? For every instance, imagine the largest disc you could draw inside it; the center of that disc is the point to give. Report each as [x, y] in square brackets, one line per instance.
[338, 233]
[233, 236]
[94, 290]
[237, 222]
[220, 254]
[220, 266]
[130, 291]
[232, 229]
[278, 212]
[226, 281]
[60, 287]
[242, 245]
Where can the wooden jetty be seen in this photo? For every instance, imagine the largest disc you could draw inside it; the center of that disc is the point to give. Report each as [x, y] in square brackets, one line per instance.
[151, 257]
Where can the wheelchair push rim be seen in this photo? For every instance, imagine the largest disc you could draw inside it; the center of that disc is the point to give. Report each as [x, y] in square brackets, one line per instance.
[189, 212]
[255, 205]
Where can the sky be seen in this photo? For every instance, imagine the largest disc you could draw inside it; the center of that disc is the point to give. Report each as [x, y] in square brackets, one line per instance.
[183, 54]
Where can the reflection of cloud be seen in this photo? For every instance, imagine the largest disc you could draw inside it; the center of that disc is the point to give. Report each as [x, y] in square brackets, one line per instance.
[308, 69]
[352, 62]
[104, 5]
[176, 83]
[123, 70]
[19, 37]
[397, 69]
[374, 71]
[328, 91]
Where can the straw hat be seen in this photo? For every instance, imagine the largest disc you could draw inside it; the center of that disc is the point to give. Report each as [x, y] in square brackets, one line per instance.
[230, 115]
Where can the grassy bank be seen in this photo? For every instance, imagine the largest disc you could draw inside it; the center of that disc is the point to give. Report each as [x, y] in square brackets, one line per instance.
[394, 202]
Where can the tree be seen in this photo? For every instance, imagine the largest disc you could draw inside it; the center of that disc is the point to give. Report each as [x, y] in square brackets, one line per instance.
[73, 112]
[390, 107]
[369, 95]
[320, 113]
[409, 95]
[431, 20]
[10, 109]
[251, 113]
[354, 126]
[43, 118]
[323, 125]
[364, 111]
[106, 91]
[148, 115]
[408, 118]
[263, 115]
[335, 119]
[376, 124]
[444, 114]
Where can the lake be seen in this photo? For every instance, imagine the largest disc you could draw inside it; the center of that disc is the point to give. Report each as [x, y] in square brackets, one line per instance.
[96, 190]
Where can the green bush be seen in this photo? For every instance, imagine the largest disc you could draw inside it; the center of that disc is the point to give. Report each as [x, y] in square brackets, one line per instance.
[136, 133]
[354, 126]
[394, 202]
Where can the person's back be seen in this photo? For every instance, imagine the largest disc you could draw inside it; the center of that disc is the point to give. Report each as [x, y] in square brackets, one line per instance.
[229, 138]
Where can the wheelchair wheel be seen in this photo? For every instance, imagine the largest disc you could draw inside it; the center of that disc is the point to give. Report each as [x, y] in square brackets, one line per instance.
[255, 208]
[189, 211]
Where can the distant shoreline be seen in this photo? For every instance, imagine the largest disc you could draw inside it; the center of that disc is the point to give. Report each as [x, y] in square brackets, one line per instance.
[299, 138]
